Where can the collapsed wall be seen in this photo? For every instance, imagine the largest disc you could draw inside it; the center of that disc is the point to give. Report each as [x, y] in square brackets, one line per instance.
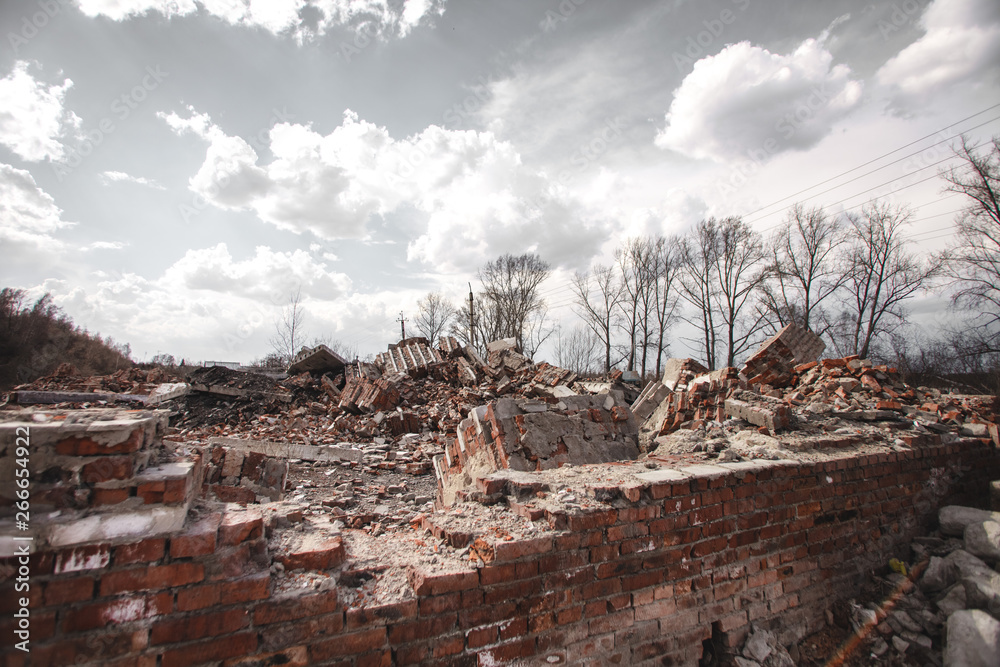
[535, 435]
[636, 563]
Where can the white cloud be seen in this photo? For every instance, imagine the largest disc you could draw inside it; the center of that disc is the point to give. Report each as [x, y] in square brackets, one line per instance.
[32, 118]
[106, 245]
[28, 215]
[477, 197]
[208, 302]
[109, 177]
[961, 41]
[746, 99]
[267, 273]
[304, 19]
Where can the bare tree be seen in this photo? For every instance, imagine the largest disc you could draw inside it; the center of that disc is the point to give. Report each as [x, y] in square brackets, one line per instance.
[434, 315]
[805, 267]
[741, 272]
[881, 276]
[973, 260]
[577, 351]
[699, 283]
[288, 335]
[598, 293]
[510, 296]
[666, 267]
[636, 261]
[536, 331]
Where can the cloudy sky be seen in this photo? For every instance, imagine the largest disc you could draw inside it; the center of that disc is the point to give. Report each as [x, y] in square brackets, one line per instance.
[171, 170]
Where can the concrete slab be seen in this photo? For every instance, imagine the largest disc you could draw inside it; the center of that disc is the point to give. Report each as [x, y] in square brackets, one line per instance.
[666, 475]
[319, 359]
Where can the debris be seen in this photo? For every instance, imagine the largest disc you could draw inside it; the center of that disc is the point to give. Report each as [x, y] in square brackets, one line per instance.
[319, 359]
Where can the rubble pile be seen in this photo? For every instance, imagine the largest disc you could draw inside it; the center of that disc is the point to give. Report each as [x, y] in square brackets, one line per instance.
[801, 406]
[127, 384]
[236, 476]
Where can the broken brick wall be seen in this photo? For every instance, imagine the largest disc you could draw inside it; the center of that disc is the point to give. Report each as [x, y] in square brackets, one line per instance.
[641, 580]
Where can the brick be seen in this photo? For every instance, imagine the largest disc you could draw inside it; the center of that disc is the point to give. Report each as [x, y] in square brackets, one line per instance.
[246, 589]
[106, 469]
[301, 631]
[212, 650]
[513, 550]
[109, 496]
[318, 557]
[401, 633]
[198, 597]
[450, 645]
[480, 637]
[152, 578]
[351, 643]
[294, 607]
[358, 617]
[189, 628]
[428, 584]
[116, 612]
[146, 551]
[240, 525]
[656, 610]
[66, 591]
[377, 659]
[79, 559]
[197, 539]
[84, 446]
[506, 653]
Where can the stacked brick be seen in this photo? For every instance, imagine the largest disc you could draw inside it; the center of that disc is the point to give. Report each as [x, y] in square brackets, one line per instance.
[551, 376]
[235, 476]
[449, 347]
[770, 415]
[535, 435]
[363, 395]
[702, 398]
[503, 356]
[412, 356]
[90, 458]
[688, 555]
[773, 364]
[98, 473]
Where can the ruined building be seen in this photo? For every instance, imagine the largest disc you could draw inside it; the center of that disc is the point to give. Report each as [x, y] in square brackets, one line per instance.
[439, 508]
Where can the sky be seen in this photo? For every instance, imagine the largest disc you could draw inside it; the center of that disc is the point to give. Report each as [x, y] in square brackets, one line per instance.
[171, 171]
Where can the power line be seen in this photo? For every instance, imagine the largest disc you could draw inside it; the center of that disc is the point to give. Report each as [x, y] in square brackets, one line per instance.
[869, 173]
[876, 159]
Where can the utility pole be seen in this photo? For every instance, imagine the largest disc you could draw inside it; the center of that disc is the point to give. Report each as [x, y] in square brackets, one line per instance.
[472, 320]
[402, 326]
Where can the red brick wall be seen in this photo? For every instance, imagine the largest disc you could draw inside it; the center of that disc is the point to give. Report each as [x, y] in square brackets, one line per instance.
[637, 583]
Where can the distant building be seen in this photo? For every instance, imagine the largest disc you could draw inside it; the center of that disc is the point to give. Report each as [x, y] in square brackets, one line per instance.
[231, 365]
